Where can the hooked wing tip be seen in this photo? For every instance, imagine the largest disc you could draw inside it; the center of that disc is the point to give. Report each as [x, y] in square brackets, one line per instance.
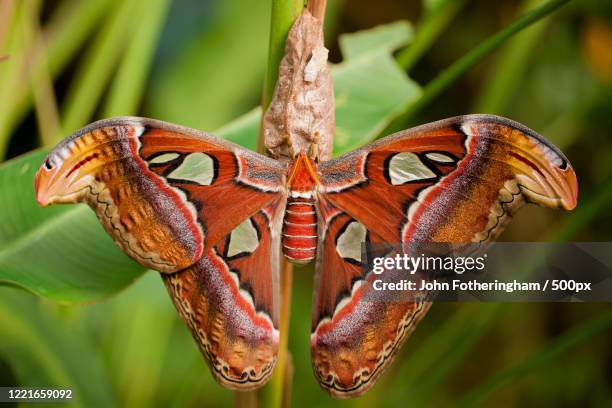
[40, 190]
[569, 197]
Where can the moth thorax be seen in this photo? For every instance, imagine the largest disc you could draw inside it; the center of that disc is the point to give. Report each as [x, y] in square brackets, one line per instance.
[300, 228]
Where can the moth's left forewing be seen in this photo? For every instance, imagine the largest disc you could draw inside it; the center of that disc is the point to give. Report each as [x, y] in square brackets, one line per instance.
[453, 181]
[163, 192]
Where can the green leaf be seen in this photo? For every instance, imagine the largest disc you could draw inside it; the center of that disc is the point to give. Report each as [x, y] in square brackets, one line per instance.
[62, 252]
[371, 90]
[59, 252]
[150, 356]
[501, 82]
[243, 130]
[46, 351]
[383, 39]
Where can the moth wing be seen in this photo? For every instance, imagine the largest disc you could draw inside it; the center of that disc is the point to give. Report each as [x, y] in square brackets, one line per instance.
[354, 334]
[203, 211]
[164, 193]
[455, 181]
[230, 301]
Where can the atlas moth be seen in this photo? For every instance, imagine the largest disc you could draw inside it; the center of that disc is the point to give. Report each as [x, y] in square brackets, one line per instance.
[215, 219]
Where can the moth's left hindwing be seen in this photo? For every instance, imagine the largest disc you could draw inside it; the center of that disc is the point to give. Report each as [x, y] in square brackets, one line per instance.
[454, 181]
[229, 300]
[204, 212]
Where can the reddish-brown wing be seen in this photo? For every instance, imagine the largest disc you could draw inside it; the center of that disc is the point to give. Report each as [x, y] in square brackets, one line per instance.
[453, 181]
[175, 198]
[354, 333]
[229, 300]
[163, 192]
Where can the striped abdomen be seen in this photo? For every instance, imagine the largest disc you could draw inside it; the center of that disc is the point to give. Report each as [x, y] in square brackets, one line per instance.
[300, 230]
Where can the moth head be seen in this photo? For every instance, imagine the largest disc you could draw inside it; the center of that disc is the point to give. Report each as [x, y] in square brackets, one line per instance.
[69, 170]
[302, 173]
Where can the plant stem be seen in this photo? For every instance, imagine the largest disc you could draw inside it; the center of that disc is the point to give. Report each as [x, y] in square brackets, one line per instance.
[427, 32]
[7, 11]
[434, 88]
[280, 385]
[284, 13]
[245, 399]
[317, 9]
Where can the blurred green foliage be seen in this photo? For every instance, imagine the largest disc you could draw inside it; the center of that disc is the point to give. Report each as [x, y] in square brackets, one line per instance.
[202, 64]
